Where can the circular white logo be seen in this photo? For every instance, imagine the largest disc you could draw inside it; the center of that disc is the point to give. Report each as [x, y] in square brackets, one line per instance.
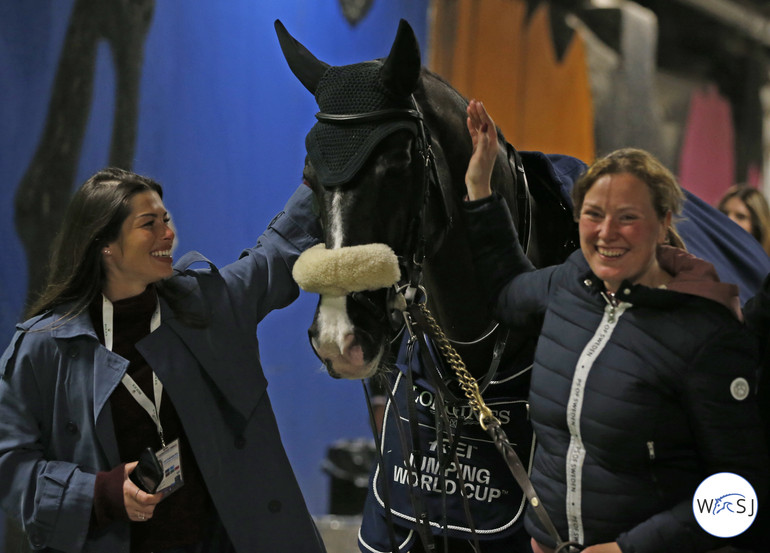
[725, 504]
[739, 388]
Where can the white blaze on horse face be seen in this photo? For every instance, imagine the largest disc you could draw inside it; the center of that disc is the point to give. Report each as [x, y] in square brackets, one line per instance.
[335, 219]
[333, 321]
[336, 340]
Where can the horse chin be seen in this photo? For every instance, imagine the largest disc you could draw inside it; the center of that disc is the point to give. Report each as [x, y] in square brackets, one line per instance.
[347, 371]
[347, 351]
[350, 364]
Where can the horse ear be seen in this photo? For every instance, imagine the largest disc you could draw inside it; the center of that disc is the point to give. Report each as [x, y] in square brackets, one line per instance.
[401, 70]
[305, 66]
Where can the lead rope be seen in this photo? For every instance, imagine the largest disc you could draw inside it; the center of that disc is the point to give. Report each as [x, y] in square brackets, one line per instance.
[490, 423]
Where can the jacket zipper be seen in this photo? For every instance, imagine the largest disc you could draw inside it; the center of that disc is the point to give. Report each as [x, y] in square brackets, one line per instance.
[612, 302]
[651, 450]
[651, 465]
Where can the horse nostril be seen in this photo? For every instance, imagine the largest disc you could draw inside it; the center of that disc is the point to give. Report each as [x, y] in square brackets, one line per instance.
[349, 341]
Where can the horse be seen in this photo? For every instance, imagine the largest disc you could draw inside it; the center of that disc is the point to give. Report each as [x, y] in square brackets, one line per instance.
[386, 162]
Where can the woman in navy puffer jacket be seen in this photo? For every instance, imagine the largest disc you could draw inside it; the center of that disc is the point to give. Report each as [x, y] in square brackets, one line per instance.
[644, 378]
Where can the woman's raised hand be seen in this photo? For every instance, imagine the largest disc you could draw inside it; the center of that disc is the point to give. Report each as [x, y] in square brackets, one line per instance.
[485, 148]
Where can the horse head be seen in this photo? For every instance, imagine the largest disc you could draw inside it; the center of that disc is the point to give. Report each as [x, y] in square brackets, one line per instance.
[387, 186]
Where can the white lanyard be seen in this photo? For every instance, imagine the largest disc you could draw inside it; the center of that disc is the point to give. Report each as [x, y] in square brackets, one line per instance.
[139, 395]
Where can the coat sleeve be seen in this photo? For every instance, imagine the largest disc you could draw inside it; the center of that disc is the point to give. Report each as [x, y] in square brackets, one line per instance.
[261, 278]
[516, 291]
[757, 314]
[728, 433]
[51, 499]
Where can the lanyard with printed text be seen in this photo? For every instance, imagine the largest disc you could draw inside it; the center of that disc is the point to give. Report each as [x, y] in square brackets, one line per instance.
[153, 409]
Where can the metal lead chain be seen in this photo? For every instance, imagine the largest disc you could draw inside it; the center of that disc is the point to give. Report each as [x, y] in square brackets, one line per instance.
[469, 384]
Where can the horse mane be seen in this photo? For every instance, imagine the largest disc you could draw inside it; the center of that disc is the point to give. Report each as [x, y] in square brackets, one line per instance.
[436, 97]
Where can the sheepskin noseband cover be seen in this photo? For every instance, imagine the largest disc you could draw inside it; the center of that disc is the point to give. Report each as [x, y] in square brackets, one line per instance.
[341, 271]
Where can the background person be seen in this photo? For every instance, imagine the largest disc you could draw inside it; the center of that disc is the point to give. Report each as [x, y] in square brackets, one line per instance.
[748, 207]
[71, 424]
[643, 371]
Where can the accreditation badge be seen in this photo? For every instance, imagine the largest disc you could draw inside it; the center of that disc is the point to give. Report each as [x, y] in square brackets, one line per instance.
[171, 461]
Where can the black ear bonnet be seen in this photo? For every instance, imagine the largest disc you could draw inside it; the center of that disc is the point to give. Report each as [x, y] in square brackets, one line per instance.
[338, 150]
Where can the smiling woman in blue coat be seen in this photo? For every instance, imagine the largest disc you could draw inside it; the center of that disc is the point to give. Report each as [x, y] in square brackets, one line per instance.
[644, 376]
[124, 352]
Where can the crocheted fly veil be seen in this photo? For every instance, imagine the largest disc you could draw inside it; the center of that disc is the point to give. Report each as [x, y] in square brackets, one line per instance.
[339, 150]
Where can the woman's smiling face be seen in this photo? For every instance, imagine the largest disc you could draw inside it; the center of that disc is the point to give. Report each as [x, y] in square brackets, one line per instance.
[141, 254]
[620, 231]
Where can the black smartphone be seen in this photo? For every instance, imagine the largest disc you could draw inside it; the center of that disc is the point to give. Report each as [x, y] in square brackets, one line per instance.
[148, 473]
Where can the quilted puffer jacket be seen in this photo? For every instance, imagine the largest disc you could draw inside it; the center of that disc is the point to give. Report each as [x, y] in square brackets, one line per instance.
[634, 401]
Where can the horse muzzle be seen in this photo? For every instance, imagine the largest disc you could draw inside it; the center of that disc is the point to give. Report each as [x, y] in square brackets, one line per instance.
[349, 343]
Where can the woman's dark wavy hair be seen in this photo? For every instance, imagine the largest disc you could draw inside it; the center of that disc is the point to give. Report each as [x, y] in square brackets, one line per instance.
[666, 193]
[93, 219]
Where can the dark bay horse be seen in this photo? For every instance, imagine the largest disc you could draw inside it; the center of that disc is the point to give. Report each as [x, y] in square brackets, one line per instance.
[386, 161]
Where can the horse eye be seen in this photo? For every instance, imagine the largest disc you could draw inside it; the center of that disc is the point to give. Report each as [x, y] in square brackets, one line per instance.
[396, 162]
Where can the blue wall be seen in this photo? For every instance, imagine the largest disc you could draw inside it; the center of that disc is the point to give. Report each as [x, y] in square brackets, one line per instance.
[221, 125]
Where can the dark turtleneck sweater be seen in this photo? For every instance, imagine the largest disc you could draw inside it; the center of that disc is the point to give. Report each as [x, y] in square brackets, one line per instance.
[183, 517]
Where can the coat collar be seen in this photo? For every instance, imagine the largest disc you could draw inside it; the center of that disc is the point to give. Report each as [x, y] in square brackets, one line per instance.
[61, 323]
[692, 276]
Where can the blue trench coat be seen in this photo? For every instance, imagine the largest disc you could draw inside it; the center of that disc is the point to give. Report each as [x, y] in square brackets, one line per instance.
[56, 427]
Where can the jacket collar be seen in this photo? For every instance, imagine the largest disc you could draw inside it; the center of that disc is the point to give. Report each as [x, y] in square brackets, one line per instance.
[61, 323]
[692, 276]
[697, 277]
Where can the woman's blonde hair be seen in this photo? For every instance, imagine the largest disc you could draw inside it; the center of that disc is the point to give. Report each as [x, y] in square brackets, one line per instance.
[667, 195]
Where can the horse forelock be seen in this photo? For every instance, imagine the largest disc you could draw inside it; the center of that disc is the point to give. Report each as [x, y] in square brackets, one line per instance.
[336, 230]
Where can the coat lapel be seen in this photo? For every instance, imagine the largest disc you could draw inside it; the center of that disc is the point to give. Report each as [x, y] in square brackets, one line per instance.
[108, 368]
[224, 353]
